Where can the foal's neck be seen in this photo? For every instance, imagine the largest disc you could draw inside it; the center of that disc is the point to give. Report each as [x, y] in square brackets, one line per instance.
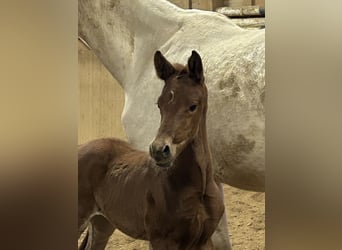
[122, 33]
[196, 158]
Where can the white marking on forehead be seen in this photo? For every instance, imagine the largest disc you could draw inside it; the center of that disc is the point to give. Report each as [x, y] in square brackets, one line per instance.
[172, 96]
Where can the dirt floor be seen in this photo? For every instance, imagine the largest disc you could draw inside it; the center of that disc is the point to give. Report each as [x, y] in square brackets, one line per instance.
[246, 219]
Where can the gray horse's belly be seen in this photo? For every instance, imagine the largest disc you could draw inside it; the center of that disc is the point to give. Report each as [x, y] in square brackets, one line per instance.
[236, 133]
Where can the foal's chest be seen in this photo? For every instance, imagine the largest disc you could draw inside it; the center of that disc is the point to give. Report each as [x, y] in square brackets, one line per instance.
[180, 220]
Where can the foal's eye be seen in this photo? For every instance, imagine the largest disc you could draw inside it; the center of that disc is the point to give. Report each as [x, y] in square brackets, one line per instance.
[192, 108]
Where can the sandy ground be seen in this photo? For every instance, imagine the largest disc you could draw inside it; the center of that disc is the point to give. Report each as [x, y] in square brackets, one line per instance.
[246, 219]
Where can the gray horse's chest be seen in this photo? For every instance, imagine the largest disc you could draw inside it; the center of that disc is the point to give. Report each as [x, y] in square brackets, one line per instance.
[141, 116]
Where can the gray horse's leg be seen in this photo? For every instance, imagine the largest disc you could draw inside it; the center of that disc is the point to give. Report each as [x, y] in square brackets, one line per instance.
[220, 237]
[98, 233]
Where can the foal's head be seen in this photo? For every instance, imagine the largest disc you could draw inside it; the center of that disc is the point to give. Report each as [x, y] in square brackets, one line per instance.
[182, 105]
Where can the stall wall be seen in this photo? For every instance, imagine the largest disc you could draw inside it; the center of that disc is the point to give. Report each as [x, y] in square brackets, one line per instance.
[101, 99]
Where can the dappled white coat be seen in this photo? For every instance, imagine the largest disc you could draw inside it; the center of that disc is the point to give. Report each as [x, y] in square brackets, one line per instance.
[125, 36]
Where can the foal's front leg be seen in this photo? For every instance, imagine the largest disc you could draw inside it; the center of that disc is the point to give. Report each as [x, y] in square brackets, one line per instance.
[207, 246]
[99, 232]
[220, 238]
[163, 245]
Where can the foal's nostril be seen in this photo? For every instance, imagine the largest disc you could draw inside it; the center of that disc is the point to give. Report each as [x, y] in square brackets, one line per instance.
[166, 150]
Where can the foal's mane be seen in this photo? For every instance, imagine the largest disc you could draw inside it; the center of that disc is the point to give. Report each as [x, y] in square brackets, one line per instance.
[181, 70]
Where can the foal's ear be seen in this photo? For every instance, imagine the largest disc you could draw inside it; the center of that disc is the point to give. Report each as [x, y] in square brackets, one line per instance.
[163, 68]
[195, 67]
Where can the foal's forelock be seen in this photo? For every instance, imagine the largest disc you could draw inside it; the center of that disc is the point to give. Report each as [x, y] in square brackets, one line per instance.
[182, 73]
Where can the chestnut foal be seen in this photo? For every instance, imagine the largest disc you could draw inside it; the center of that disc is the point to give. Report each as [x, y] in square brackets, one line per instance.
[168, 196]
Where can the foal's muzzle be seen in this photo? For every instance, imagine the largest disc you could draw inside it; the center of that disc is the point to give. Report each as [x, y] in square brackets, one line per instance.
[160, 151]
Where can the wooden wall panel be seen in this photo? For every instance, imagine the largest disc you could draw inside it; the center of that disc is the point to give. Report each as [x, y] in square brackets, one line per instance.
[259, 2]
[206, 4]
[214, 4]
[181, 3]
[101, 99]
[238, 3]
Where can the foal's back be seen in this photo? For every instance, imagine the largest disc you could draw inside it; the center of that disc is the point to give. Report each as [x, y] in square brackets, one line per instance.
[100, 153]
[97, 156]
